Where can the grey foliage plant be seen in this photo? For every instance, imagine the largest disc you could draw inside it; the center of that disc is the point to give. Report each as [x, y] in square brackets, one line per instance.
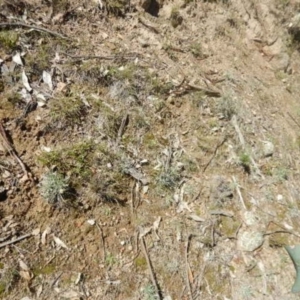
[54, 188]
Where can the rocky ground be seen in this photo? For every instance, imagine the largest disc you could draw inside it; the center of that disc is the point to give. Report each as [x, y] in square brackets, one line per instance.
[149, 150]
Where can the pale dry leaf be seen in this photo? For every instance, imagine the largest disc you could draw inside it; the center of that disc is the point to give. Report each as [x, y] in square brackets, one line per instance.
[59, 242]
[71, 294]
[39, 291]
[78, 279]
[23, 265]
[44, 235]
[60, 86]
[196, 218]
[26, 275]
[26, 298]
[47, 78]
[182, 205]
[156, 223]
[145, 231]
[155, 227]
[36, 231]
[17, 59]
[26, 82]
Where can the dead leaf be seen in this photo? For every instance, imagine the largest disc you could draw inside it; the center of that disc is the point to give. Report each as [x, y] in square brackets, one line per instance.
[47, 78]
[196, 218]
[26, 275]
[26, 82]
[71, 294]
[17, 59]
[23, 266]
[44, 235]
[59, 242]
[39, 291]
[36, 231]
[144, 231]
[182, 205]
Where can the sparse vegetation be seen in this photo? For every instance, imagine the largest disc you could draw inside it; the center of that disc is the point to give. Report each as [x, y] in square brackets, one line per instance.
[66, 111]
[176, 18]
[156, 113]
[54, 188]
[8, 39]
[149, 293]
[245, 161]
[227, 107]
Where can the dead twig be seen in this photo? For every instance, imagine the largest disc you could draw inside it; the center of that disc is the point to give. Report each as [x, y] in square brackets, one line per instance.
[152, 275]
[297, 123]
[123, 125]
[239, 192]
[214, 153]
[109, 57]
[187, 268]
[36, 28]
[224, 213]
[208, 92]
[11, 150]
[23, 237]
[150, 26]
[102, 240]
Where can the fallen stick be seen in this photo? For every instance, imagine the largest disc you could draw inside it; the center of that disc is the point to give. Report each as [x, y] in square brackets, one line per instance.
[36, 28]
[25, 236]
[214, 153]
[150, 26]
[208, 92]
[102, 240]
[239, 192]
[153, 279]
[187, 269]
[109, 57]
[11, 150]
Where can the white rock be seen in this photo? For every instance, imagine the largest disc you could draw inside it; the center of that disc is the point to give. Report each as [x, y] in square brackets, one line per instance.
[250, 240]
[268, 149]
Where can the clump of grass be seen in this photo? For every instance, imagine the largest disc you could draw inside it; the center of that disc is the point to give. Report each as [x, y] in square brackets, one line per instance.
[169, 179]
[227, 107]
[149, 293]
[197, 50]
[76, 159]
[245, 161]
[67, 111]
[110, 259]
[116, 7]
[54, 188]
[8, 39]
[176, 18]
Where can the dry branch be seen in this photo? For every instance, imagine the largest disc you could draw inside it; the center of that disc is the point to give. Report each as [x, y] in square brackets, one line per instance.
[25, 236]
[36, 28]
[146, 24]
[187, 268]
[152, 275]
[208, 92]
[11, 150]
[214, 153]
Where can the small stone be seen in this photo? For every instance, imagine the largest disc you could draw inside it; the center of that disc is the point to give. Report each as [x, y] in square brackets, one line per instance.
[268, 149]
[92, 222]
[250, 240]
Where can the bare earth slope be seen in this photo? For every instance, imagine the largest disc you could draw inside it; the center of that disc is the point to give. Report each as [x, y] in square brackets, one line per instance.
[149, 150]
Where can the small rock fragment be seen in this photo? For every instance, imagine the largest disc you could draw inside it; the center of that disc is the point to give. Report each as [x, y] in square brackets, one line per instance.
[250, 240]
[268, 149]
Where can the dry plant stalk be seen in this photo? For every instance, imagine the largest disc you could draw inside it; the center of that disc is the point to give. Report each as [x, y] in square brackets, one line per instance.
[152, 275]
[11, 150]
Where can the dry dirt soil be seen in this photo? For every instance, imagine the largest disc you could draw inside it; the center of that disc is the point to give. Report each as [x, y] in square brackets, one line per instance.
[149, 150]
